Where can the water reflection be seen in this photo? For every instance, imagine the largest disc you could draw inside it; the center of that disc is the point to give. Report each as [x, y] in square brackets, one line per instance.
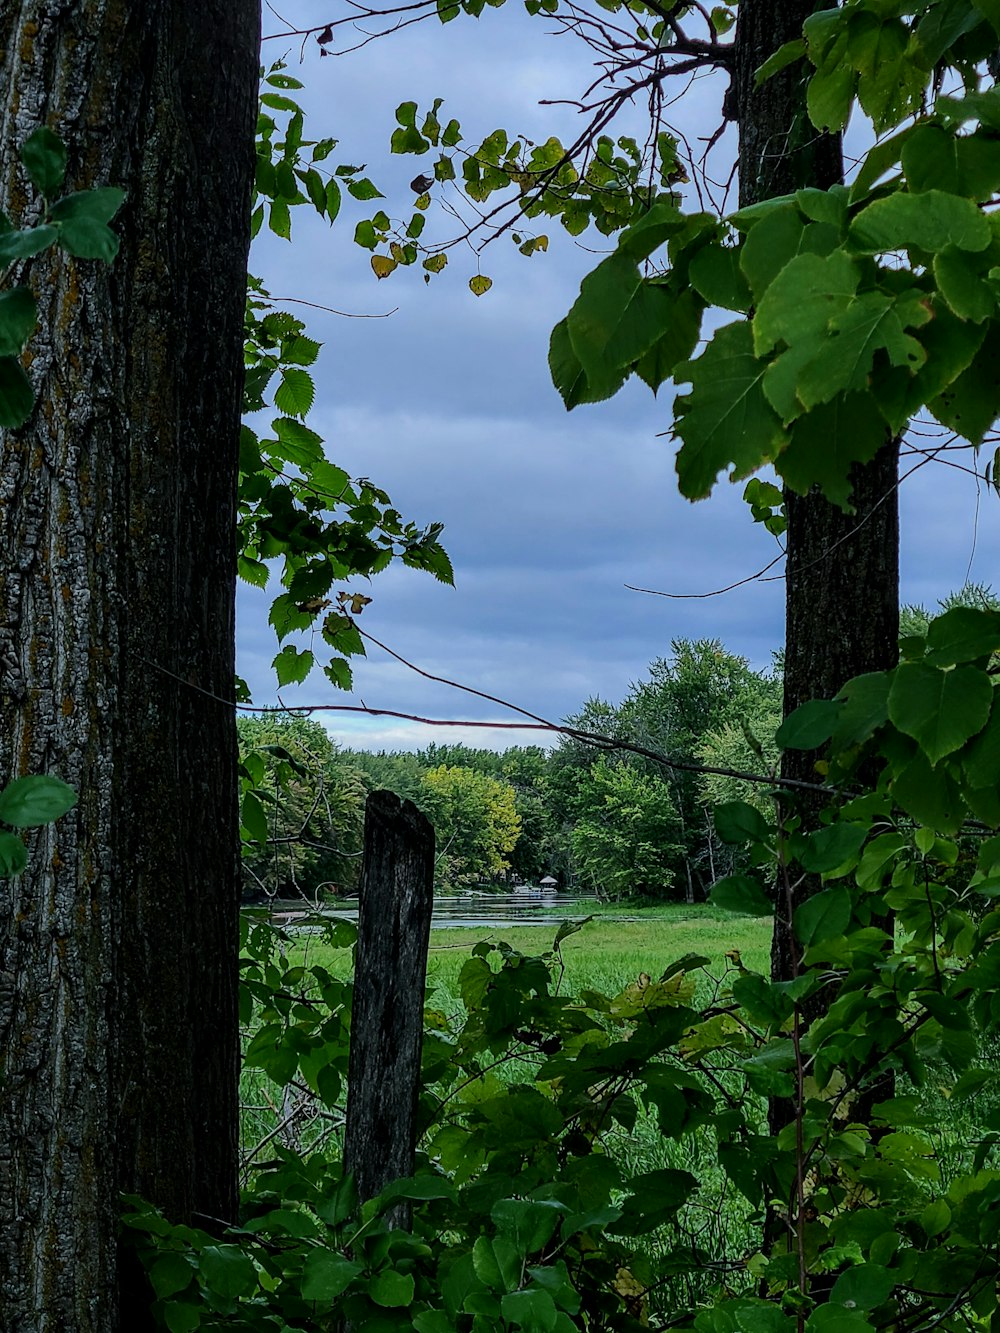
[476, 910]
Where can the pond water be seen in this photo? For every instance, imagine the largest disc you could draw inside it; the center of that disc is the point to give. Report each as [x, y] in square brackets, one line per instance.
[475, 910]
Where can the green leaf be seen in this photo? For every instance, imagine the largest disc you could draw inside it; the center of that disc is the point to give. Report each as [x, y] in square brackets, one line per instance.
[930, 221]
[32, 801]
[13, 855]
[827, 442]
[937, 159]
[740, 893]
[497, 1263]
[295, 394]
[326, 1275]
[677, 342]
[716, 274]
[725, 419]
[785, 55]
[533, 1310]
[24, 244]
[171, 1273]
[292, 666]
[16, 395]
[961, 284]
[569, 376]
[863, 1287]
[18, 319]
[971, 402]
[253, 818]
[44, 156]
[823, 916]
[527, 1224]
[830, 848]
[736, 823]
[981, 761]
[227, 1271]
[391, 1289]
[82, 220]
[181, 1318]
[865, 707]
[570, 928]
[941, 710]
[930, 795]
[808, 726]
[802, 298]
[617, 317]
[963, 634]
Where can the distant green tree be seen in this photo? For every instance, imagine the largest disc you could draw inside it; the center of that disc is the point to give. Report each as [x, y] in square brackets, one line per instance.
[309, 816]
[628, 841]
[475, 821]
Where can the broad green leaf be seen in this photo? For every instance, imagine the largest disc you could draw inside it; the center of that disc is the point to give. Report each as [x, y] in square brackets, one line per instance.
[527, 1224]
[326, 1275]
[810, 725]
[827, 442]
[651, 231]
[227, 1271]
[391, 1289]
[981, 760]
[44, 156]
[569, 376]
[497, 1263]
[823, 916]
[740, 893]
[963, 634]
[971, 402]
[292, 666]
[830, 848]
[831, 91]
[863, 1287]
[801, 300]
[872, 322]
[877, 161]
[23, 244]
[725, 419]
[570, 928]
[16, 396]
[18, 318]
[941, 710]
[171, 1273]
[617, 317]
[656, 1198]
[676, 343]
[182, 1318]
[294, 395]
[13, 855]
[533, 1311]
[892, 76]
[716, 274]
[33, 801]
[829, 206]
[785, 55]
[82, 219]
[736, 822]
[950, 344]
[930, 221]
[962, 285]
[253, 818]
[936, 159]
[774, 241]
[865, 701]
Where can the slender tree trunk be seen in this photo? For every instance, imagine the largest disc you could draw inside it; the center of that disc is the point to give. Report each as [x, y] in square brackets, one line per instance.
[842, 570]
[118, 945]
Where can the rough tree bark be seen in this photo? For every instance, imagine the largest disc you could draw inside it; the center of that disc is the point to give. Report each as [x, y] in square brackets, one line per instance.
[842, 570]
[118, 945]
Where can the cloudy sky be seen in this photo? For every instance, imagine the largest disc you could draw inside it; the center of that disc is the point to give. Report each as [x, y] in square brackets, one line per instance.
[448, 405]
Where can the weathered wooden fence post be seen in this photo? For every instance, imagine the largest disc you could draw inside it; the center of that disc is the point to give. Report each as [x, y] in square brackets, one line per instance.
[397, 885]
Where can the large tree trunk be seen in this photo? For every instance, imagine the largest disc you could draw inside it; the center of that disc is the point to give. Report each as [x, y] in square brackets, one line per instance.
[842, 570]
[118, 945]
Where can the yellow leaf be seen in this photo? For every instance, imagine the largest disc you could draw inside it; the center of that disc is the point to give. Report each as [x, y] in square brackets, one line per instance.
[479, 285]
[435, 263]
[382, 265]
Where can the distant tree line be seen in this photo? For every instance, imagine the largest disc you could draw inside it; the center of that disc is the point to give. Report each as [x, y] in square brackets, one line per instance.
[611, 821]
